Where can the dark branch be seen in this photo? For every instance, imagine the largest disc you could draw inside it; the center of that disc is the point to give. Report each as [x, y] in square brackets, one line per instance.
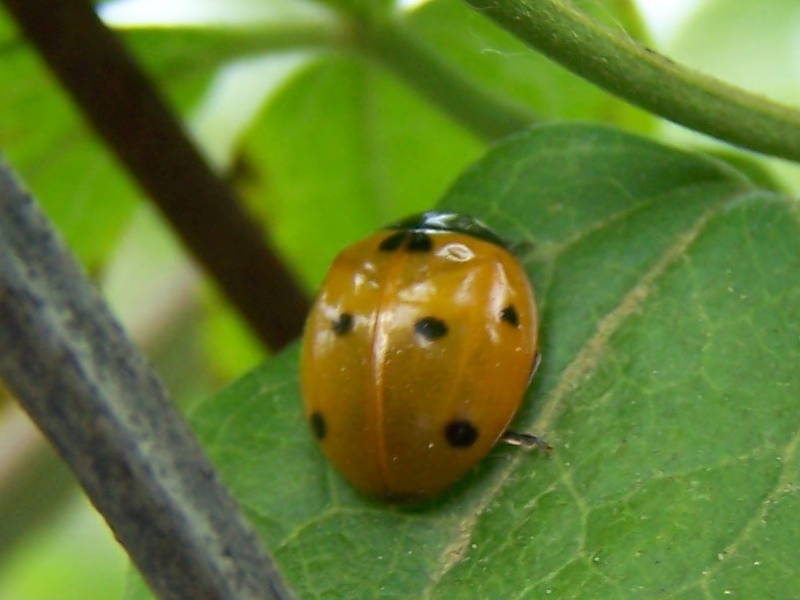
[81, 380]
[121, 103]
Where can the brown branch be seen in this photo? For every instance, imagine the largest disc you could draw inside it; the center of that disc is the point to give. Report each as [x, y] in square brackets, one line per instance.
[123, 106]
[83, 382]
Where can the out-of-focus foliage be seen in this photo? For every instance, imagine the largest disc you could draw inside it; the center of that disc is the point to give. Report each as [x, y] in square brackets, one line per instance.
[71, 557]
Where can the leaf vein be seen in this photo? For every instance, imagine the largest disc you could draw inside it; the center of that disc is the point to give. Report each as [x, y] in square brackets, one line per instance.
[582, 365]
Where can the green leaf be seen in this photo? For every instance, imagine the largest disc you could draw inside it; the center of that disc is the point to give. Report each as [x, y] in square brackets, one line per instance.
[670, 333]
[342, 150]
[346, 147]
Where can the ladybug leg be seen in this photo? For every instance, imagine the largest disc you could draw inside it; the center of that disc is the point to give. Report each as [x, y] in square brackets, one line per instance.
[526, 441]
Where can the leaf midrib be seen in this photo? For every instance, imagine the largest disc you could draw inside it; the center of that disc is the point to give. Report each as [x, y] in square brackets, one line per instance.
[577, 370]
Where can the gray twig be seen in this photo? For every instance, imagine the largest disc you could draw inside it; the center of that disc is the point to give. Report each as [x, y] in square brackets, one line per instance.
[76, 373]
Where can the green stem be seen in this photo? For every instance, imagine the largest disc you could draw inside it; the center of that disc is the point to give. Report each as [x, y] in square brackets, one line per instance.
[628, 16]
[394, 47]
[487, 115]
[647, 79]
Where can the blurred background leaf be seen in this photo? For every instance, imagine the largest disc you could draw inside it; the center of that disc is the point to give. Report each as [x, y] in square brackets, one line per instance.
[71, 556]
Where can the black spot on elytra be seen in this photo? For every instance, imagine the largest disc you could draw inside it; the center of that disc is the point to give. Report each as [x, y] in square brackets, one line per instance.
[419, 242]
[343, 324]
[510, 316]
[460, 433]
[318, 426]
[430, 328]
[392, 242]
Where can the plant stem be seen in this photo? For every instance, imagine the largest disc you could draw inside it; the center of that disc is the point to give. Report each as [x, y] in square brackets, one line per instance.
[397, 49]
[487, 115]
[629, 18]
[124, 107]
[647, 79]
[77, 375]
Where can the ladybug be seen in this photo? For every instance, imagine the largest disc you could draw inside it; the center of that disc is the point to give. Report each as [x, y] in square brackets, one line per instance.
[417, 353]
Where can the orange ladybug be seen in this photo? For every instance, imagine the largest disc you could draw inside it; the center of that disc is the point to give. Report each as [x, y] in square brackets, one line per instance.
[417, 353]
